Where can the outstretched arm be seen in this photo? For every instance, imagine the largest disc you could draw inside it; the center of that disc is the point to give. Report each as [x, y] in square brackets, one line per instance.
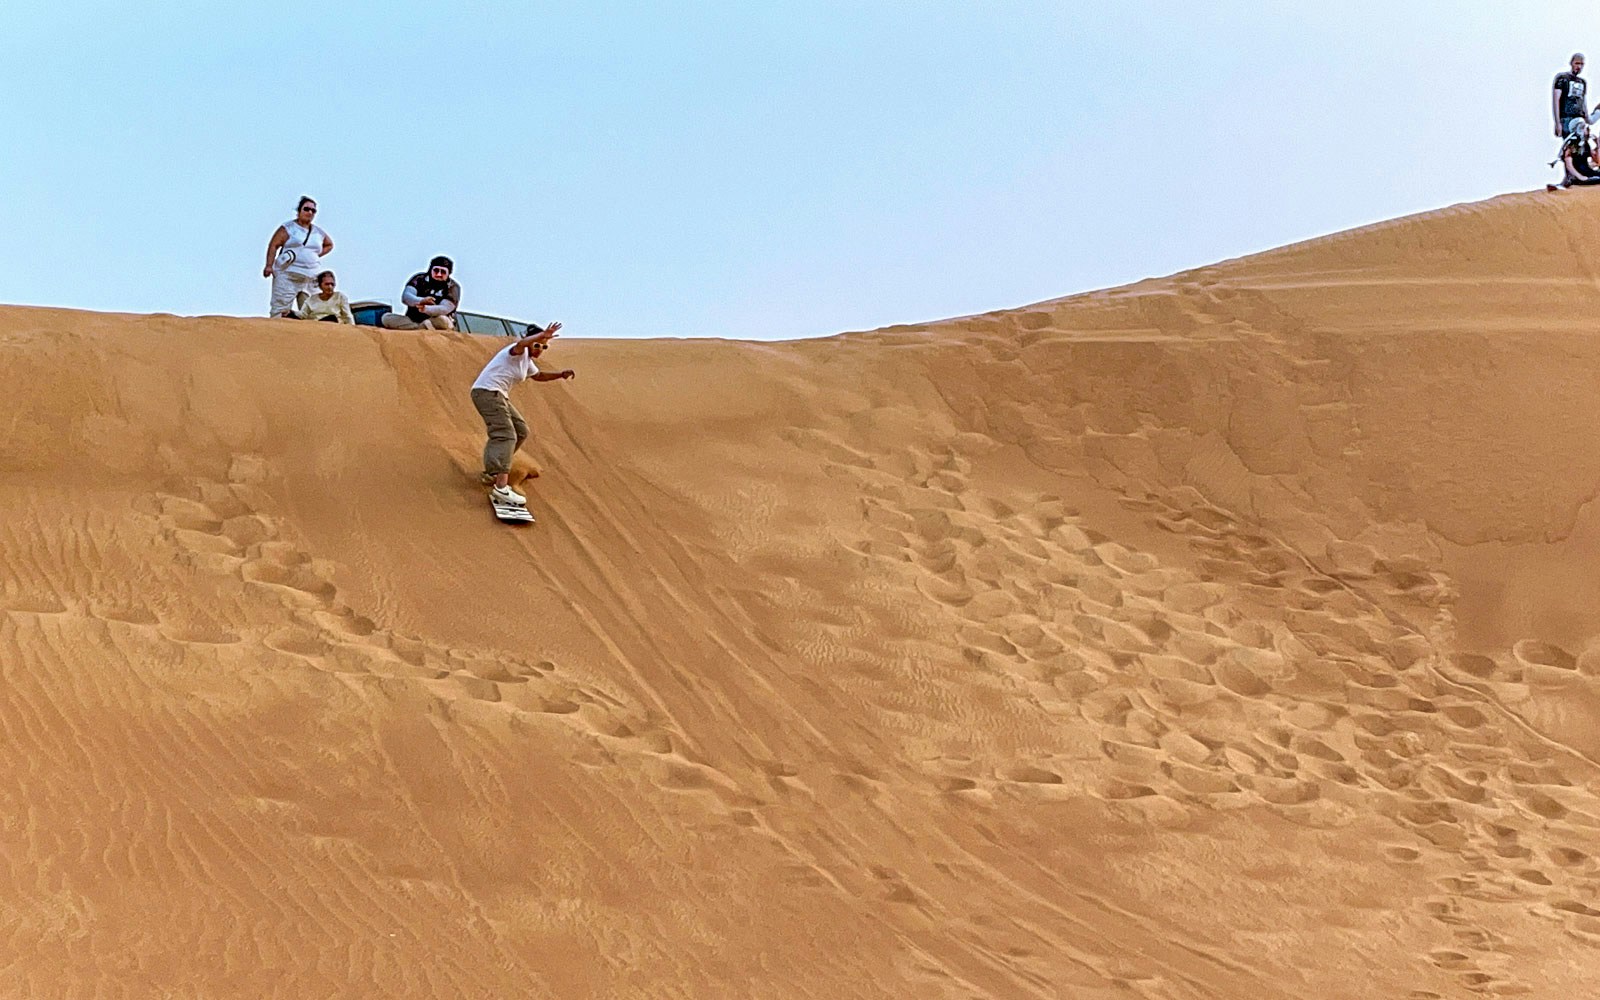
[555, 376]
[544, 336]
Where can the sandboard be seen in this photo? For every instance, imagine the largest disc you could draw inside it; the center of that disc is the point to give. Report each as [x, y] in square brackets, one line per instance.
[510, 513]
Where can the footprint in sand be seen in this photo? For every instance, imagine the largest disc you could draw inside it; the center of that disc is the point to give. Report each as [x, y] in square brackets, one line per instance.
[1475, 666]
[298, 642]
[1546, 806]
[248, 529]
[1453, 961]
[188, 515]
[1545, 662]
[1118, 791]
[475, 688]
[343, 621]
[291, 578]
[1028, 774]
[124, 614]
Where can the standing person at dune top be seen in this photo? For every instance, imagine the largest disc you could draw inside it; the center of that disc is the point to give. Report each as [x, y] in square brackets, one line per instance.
[294, 257]
[491, 396]
[1569, 100]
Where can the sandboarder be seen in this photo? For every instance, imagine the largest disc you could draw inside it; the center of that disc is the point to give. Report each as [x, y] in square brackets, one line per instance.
[491, 394]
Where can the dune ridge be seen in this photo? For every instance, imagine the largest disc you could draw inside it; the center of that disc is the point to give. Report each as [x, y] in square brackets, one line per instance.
[1229, 634]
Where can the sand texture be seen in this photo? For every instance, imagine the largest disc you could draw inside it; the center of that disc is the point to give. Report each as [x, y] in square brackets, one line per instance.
[1230, 635]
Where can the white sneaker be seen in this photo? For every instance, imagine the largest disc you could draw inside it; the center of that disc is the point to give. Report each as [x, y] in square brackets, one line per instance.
[505, 494]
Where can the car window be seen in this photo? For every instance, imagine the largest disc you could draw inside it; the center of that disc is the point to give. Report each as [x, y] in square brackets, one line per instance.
[369, 315]
[478, 323]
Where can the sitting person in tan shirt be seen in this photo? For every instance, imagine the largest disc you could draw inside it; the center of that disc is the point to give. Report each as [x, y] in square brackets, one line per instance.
[325, 304]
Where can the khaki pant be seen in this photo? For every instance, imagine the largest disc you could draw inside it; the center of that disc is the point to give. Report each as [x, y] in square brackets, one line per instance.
[400, 321]
[507, 429]
[286, 285]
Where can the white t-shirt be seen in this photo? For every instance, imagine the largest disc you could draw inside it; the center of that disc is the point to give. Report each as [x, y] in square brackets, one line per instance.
[505, 370]
[303, 253]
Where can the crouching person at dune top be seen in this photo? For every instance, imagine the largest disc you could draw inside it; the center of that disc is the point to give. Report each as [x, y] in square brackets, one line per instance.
[430, 297]
[491, 394]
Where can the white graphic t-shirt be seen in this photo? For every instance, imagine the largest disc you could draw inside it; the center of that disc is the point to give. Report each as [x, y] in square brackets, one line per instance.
[505, 370]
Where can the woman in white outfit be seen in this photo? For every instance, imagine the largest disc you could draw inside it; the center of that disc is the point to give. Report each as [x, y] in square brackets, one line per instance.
[294, 257]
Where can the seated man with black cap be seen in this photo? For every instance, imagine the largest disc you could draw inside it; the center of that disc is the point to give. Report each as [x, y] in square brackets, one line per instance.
[430, 297]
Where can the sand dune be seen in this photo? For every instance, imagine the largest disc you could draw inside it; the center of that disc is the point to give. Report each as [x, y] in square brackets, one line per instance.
[1225, 635]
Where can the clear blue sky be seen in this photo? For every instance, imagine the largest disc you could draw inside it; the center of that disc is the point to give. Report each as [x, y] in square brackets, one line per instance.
[754, 170]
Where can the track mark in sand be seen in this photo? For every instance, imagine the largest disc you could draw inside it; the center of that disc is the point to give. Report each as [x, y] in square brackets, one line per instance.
[200, 635]
[221, 529]
[32, 604]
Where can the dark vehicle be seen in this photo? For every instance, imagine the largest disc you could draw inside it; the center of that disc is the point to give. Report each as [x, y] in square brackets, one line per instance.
[370, 313]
